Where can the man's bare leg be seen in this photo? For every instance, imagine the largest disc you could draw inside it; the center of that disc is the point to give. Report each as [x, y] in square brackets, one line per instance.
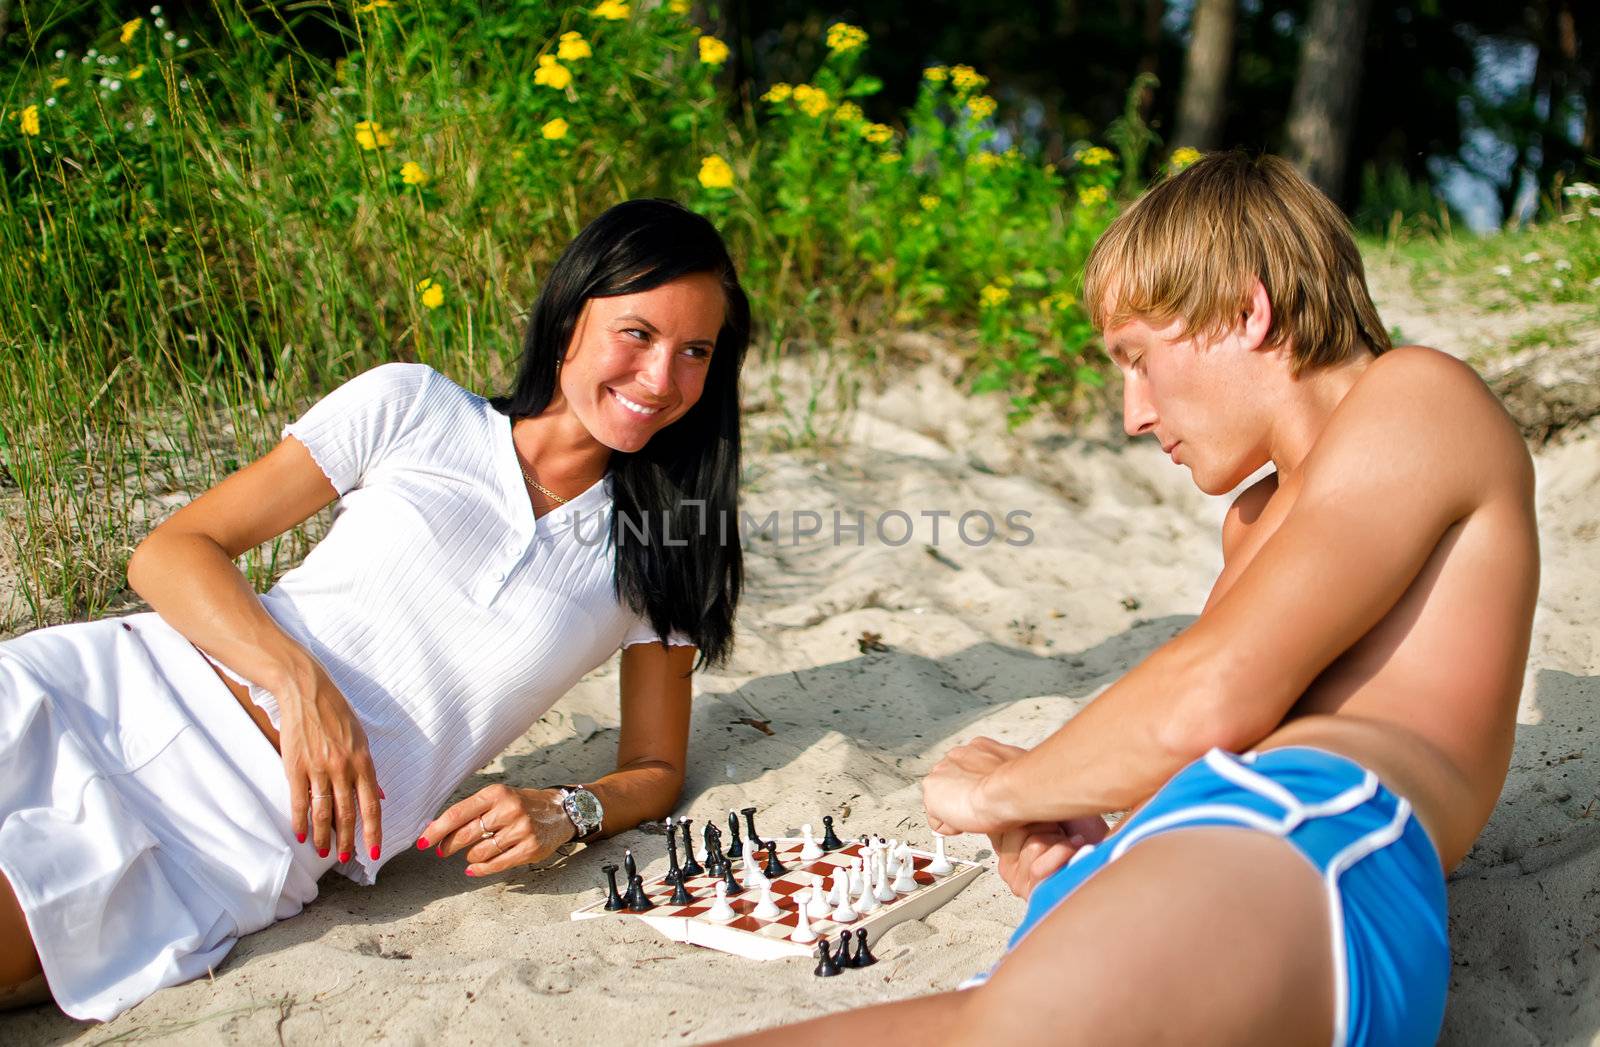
[21, 978]
[1199, 936]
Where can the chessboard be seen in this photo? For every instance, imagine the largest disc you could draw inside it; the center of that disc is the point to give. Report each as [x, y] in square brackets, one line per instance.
[756, 938]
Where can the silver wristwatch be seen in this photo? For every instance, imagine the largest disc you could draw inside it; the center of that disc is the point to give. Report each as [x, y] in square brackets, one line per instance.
[583, 808]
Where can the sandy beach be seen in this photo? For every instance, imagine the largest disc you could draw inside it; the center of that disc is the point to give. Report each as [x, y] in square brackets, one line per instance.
[857, 667]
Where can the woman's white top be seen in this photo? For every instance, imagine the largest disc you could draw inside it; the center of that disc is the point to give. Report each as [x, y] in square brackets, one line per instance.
[449, 616]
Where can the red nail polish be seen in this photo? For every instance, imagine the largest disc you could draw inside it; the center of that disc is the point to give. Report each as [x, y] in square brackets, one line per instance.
[344, 856]
[422, 843]
[381, 796]
[374, 854]
[322, 852]
[300, 837]
[471, 873]
[439, 850]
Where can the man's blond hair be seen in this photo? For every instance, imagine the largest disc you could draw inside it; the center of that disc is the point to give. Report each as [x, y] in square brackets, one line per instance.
[1188, 249]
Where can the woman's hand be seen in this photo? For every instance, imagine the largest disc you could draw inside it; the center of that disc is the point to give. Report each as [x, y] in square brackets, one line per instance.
[951, 791]
[500, 827]
[330, 772]
[1029, 853]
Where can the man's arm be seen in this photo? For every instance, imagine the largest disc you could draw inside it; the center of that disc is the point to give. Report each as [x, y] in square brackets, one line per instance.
[1411, 451]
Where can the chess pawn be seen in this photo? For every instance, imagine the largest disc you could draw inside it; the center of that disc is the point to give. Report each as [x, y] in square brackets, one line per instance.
[802, 932]
[940, 866]
[819, 905]
[830, 839]
[904, 881]
[826, 968]
[766, 908]
[883, 892]
[863, 956]
[721, 911]
[809, 851]
[865, 902]
[843, 912]
[855, 874]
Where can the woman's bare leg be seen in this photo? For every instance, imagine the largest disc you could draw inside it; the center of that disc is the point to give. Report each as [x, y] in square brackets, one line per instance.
[1199, 936]
[21, 978]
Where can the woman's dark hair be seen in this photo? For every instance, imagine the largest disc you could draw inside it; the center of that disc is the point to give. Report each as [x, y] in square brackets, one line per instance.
[687, 476]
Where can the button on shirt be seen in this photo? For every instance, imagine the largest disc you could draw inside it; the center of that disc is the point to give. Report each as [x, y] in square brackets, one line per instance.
[448, 615]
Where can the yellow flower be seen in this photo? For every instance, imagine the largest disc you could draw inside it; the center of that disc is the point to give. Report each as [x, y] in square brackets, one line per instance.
[59, 81]
[987, 160]
[1182, 157]
[890, 156]
[1059, 300]
[411, 173]
[965, 78]
[1091, 195]
[713, 51]
[518, 153]
[678, 7]
[937, 74]
[1096, 156]
[554, 129]
[572, 47]
[877, 134]
[813, 101]
[981, 107]
[992, 296]
[371, 135]
[848, 113]
[778, 93]
[715, 173]
[432, 293]
[842, 37]
[136, 72]
[131, 27]
[373, 6]
[928, 201]
[552, 73]
[611, 10]
[30, 120]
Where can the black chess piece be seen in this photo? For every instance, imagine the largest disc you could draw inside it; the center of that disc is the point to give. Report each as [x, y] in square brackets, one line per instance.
[863, 956]
[830, 839]
[723, 861]
[750, 824]
[638, 900]
[691, 867]
[630, 868]
[774, 868]
[736, 848]
[613, 899]
[710, 834]
[734, 886]
[826, 968]
[680, 894]
[675, 871]
[842, 955]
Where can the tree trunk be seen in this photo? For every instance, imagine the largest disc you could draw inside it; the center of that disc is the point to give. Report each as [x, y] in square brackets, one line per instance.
[1323, 106]
[1205, 75]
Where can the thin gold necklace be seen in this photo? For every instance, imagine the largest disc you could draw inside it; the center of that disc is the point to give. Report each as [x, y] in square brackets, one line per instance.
[541, 488]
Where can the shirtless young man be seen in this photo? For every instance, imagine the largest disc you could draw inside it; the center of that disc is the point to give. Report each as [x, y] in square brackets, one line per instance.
[1363, 649]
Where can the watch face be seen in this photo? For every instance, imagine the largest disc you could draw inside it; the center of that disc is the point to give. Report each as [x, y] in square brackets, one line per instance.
[587, 806]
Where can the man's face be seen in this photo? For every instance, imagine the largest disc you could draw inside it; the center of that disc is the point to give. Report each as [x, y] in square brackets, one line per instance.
[1199, 397]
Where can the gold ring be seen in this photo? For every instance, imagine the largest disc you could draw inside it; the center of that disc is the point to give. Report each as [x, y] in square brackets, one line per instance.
[488, 833]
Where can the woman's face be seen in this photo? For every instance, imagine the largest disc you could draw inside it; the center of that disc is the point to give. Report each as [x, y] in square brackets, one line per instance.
[638, 362]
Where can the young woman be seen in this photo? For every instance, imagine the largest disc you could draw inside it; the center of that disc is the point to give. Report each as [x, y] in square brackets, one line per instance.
[486, 554]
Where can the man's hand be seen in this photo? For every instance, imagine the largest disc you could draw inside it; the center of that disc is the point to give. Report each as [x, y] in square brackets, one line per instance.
[500, 827]
[951, 793]
[1029, 853]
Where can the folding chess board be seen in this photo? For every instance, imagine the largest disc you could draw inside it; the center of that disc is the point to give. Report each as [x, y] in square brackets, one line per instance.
[754, 938]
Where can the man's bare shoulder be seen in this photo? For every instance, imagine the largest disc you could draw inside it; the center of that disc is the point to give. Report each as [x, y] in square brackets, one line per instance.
[1245, 511]
[1420, 411]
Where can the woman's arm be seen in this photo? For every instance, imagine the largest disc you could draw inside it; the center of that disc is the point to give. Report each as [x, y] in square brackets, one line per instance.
[529, 824]
[184, 569]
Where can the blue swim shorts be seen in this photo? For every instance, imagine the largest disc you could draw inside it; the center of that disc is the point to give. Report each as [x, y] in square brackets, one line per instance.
[1385, 886]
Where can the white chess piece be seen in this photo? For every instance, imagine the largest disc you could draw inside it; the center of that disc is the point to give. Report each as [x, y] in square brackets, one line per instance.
[839, 893]
[891, 863]
[720, 910]
[855, 874]
[883, 892]
[940, 866]
[809, 851]
[819, 905]
[802, 932]
[753, 877]
[843, 912]
[766, 908]
[904, 881]
[865, 902]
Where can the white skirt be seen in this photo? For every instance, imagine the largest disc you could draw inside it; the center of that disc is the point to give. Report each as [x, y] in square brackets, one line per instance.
[144, 820]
